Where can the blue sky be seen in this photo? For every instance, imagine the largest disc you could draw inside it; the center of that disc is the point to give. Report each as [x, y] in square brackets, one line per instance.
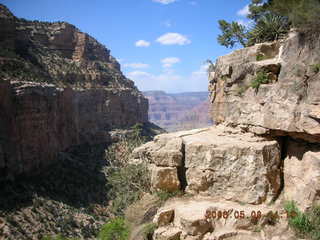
[161, 44]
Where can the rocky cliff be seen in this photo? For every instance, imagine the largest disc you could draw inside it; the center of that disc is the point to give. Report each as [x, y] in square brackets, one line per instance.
[59, 88]
[263, 152]
[179, 111]
[287, 103]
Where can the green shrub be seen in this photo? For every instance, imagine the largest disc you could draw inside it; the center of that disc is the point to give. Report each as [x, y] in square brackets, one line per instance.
[315, 68]
[126, 182]
[305, 224]
[300, 13]
[261, 78]
[261, 57]
[314, 217]
[232, 34]
[268, 28]
[116, 229]
[241, 90]
[211, 66]
[165, 195]
[148, 231]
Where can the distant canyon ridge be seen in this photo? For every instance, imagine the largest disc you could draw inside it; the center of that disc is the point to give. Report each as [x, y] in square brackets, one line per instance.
[178, 111]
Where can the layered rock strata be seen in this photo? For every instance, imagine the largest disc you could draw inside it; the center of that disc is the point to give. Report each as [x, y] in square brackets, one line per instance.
[287, 103]
[59, 88]
[179, 111]
[284, 107]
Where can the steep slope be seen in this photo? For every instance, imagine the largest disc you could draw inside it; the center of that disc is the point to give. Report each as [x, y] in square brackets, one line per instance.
[59, 88]
[178, 111]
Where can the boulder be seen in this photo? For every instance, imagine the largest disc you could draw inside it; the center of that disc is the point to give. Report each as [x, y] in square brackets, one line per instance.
[163, 151]
[218, 161]
[164, 217]
[235, 166]
[165, 178]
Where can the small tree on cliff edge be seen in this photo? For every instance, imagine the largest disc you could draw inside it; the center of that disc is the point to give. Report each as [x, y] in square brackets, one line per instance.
[270, 20]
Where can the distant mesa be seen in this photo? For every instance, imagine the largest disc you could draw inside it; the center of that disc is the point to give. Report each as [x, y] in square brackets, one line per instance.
[178, 111]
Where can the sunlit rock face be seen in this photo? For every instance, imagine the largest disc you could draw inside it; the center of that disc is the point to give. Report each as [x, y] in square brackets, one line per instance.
[217, 161]
[287, 104]
[263, 151]
[59, 88]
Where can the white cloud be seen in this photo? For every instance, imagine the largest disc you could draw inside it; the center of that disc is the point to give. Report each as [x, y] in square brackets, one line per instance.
[173, 38]
[170, 81]
[244, 11]
[167, 23]
[164, 1]
[168, 62]
[147, 81]
[138, 74]
[142, 43]
[136, 65]
[201, 72]
[245, 23]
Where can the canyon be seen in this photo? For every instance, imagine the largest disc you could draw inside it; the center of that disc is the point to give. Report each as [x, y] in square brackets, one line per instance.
[59, 88]
[63, 99]
[178, 111]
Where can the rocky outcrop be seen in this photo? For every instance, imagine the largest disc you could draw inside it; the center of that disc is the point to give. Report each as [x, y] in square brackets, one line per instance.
[285, 103]
[264, 150]
[179, 111]
[229, 177]
[213, 162]
[59, 88]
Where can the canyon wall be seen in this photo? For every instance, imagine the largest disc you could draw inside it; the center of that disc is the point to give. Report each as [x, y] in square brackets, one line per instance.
[264, 150]
[178, 111]
[287, 104]
[59, 88]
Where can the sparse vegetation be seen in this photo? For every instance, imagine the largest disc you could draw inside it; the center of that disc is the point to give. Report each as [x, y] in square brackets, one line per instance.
[261, 57]
[148, 231]
[241, 90]
[224, 77]
[164, 195]
[261, 78]
[116, 229]
[315, 68]
[211, 66]
[127, 182]
[305, 224]
[58, 237]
